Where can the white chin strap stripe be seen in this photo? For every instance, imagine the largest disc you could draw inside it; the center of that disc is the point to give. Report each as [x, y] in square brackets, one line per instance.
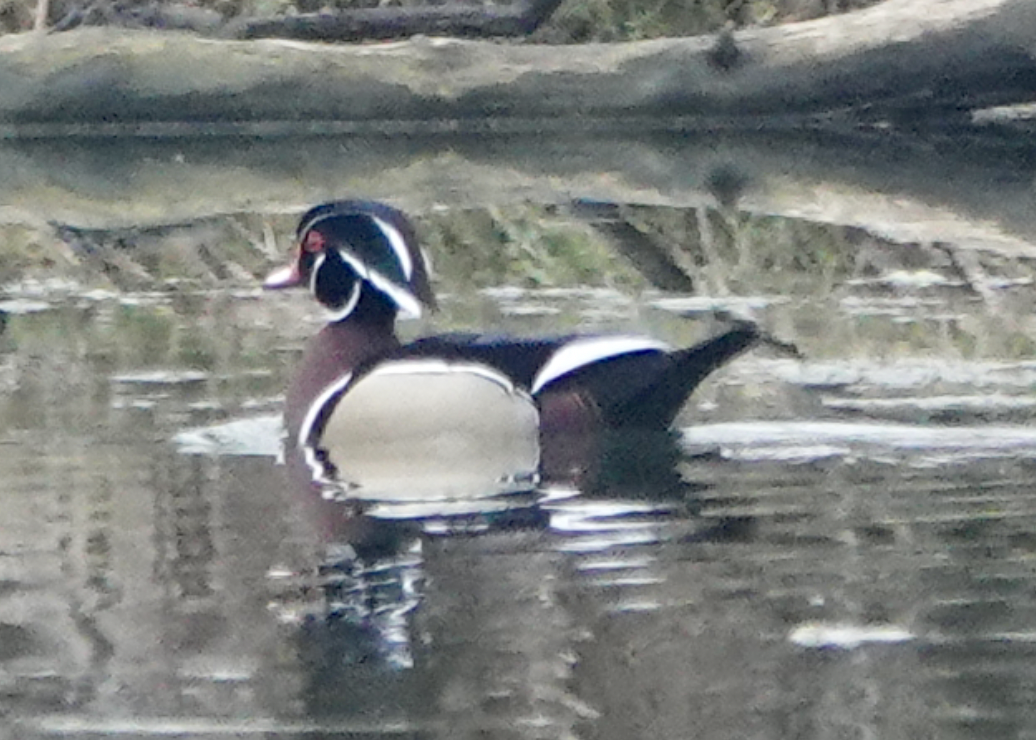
[586, 351]
[317, 264]
[337, 314]
[391, 233]
[334, 314]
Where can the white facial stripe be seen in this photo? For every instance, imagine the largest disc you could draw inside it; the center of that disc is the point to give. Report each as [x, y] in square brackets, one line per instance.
[588, 350]
[308, 225]
[393, 235]
[401, 296]
[358, 267]
[395, 238]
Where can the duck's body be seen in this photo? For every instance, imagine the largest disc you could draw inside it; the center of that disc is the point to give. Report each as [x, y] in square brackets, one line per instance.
[455, 393]
[622, 381]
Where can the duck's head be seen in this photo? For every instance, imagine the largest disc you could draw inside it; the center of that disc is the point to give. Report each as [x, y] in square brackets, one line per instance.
[354, 252]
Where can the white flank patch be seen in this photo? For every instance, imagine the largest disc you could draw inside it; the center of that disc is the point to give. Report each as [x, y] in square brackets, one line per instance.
[842, 636]
[392, 367]
[588, 350]
[415, 429]
[398, 245]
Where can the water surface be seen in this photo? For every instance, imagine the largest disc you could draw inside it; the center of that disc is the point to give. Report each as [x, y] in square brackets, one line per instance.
[834, 546]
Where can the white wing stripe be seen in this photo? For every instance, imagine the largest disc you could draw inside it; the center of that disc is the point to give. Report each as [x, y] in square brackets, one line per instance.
[586, 351]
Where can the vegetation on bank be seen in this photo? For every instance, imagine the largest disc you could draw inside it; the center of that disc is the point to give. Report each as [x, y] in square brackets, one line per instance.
[526, 246]
[77, 308]
[187, 296]
[722, 252]
[575, 21]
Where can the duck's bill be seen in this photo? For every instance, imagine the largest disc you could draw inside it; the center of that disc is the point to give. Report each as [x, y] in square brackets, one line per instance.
[284, 277]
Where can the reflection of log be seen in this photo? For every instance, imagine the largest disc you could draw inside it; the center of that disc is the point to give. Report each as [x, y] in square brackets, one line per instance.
[903, 64]
[965, 192]
[650, 258]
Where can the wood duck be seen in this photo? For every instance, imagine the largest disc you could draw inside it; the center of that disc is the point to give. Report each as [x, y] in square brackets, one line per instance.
[362, 405]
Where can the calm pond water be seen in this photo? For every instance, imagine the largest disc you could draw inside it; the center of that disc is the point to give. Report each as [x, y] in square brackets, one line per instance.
[840, 546]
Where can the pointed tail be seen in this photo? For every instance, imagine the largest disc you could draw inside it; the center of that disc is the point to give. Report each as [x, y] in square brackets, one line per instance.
[658, 405]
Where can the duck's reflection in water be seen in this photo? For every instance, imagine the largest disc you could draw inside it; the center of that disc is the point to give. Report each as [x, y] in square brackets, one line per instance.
[593, 491]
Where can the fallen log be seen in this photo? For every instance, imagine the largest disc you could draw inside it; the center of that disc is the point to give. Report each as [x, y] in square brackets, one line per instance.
[346, 25]
[906, 64]
[367, 24]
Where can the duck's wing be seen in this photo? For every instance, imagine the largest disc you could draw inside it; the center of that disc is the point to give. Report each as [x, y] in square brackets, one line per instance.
[517, 358]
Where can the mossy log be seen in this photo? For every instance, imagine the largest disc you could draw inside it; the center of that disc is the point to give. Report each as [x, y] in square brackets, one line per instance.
[857, 120]
[903, 63]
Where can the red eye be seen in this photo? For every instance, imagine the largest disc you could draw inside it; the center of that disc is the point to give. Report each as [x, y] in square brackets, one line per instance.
[314, 242]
